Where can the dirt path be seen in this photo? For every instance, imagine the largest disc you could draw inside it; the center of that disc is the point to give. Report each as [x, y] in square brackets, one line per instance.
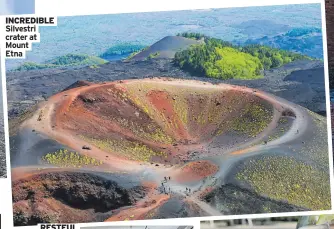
[43, 122]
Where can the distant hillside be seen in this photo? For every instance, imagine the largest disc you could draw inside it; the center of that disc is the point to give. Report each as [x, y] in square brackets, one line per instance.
[261, 28]
[216, 58]
[306, 41]
[315, 76]
[121, 49]
[165, 48]
[63, 61]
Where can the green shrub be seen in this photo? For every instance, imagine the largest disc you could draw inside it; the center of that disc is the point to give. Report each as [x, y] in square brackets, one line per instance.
[63, 61]
[120, 49]
[195, 36]
[64, 158]
[153, 55]
[33, 66]
[94, 66]
[271, 57]
[136, 52]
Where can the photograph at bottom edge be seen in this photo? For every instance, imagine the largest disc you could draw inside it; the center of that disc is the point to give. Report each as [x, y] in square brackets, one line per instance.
[288, 222]
[170, 115]
[138, 227]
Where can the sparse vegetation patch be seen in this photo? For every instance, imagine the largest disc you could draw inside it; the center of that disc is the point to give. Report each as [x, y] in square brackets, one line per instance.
[63, 61]
[284, 178]
[121, 49]
[253, 120]
[130, 150]
[65, 158]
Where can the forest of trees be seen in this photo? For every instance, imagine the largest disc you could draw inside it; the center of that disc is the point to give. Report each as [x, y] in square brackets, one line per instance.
[272, 58]
[195, 36]
[297, 32]
[63, 61]
[220, 59]
[120, 49]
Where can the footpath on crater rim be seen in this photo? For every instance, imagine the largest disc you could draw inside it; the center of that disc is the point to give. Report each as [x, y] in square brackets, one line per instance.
[166, 148]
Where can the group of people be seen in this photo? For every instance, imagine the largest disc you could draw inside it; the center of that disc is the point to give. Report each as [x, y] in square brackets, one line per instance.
[166, 179]
[166, 190]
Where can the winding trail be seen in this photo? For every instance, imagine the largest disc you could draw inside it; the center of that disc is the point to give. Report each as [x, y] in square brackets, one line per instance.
[44, 121]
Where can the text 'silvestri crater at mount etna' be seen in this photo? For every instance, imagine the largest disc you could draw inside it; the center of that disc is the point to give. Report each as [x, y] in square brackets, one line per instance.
[162, 148]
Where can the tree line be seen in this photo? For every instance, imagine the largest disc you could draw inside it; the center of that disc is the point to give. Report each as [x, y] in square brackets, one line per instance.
[221, 59]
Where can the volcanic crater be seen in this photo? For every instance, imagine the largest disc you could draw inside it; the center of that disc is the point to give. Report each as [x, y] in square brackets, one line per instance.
[175, 138]
[162, 121]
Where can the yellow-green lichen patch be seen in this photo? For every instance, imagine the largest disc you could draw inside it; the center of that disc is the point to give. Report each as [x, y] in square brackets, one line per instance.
[319, 120]
[284, 178]
[150, 132]
[216, 112]
[209, 108]
[221, 106]
[226, 123]
[65, 158]
[159, 136]
[201, 118]
[181, 108]
[283, 120]
[131, 150]
[253, 120]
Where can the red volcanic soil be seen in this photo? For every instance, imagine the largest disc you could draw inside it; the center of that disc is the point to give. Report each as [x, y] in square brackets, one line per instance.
[141, 210]
[67, 196]
[196, 171]
[110, 121]
[144, 120]
[163, 102]
[142, 128]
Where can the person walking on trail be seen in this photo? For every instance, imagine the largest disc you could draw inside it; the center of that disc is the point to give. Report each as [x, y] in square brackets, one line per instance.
[169, 178]
[186, 189]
